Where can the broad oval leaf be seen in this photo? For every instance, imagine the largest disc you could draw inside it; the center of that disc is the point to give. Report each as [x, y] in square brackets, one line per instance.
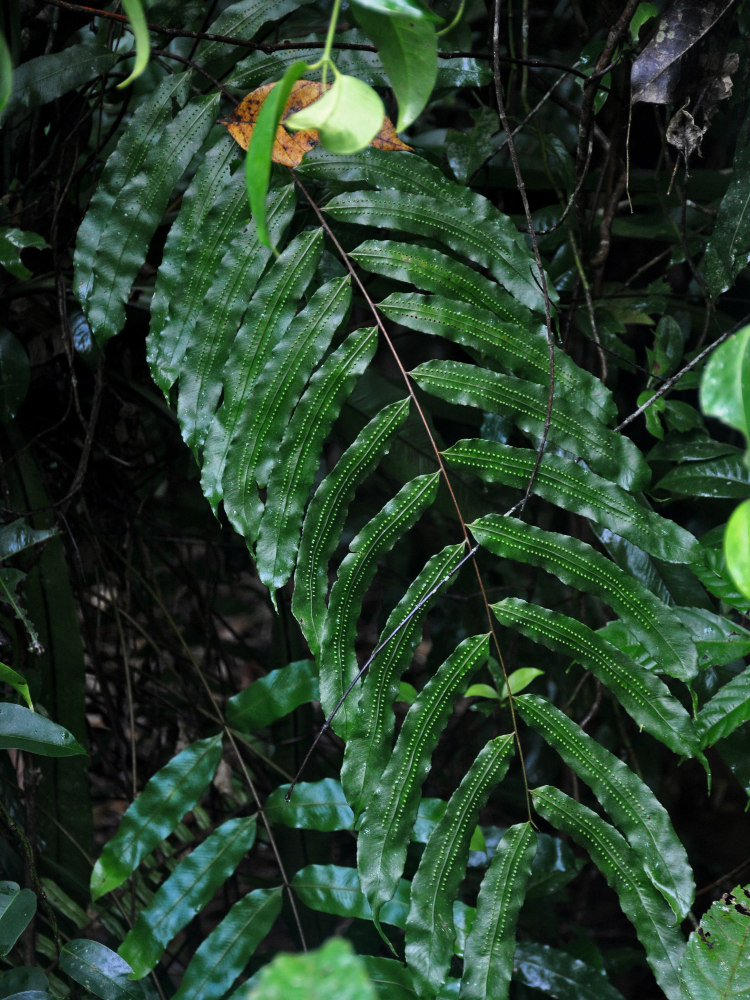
[17, 907]
[272, 697]
[716, 962]
[728, 709]
[187, 890]
[99, 970]
[348, 116]
[22, 729]
[725, 384]
[314, 805]
[172, 792]
[628, 800]
[737, 547]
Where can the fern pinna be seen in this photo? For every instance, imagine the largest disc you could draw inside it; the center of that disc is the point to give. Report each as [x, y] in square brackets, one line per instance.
[321, 456]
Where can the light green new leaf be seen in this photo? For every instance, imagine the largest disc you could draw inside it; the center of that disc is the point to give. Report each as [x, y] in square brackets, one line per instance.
[737, 547]
[272, 697]
[574, 488]
[172, 792]
[643, 695]
[258, 159]
[315, 805]
[10, 676]
[299, 455]
[331, 971]
[368, 750]
[223, 955]
[408, 48]
[187, 890]
[488, 956]
[347, 117]
[716, 962]
[628, 800]
[22, 729]
[338, 659]
[622, 868]
[577, 564]
[137, 18]
[6, 73]
[17, 907]
[725, 384]
[99, 970]
[728, 709]
[326, 514]
[558, 974]
[390, 814]
[429, 926]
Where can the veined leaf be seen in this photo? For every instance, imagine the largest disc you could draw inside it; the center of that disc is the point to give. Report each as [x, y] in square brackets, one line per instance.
[44, 79]
[272, 697]
[468, 223]
[23, 729]
[338, 660]
[336, 889]
[643, 696]
[381, 849]
[186, 892]
[716, 961]
[578, 490]
[717, 638]
[215, 342]
[17, 907]
[172, 792]
[577, 564]
[299, 455]
[315, 805]
[209, 221]
[378, 169]
[628, 800]
[429, 926]
[113, 238]
[556, 973]
[223, 955]
[251, 422]
[99, 970]
[326, 514]
[609, 454]
[242, 20]
[488, 958]
[391, 979]
[368, 750]
[721, 477]
[622, 869]
[727, 710]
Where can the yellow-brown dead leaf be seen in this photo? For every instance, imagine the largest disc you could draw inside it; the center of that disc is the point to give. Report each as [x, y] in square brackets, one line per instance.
[290, 147]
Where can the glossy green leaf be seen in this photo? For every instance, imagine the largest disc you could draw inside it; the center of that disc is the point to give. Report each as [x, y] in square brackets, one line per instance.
[242, 19]
[19, 535]
[721, 477]
[488, 958]
[131, 197]
[727, 250]
[17, 907]
[628, 800]
[391, 979]
[251, 422]
[210, 222]
[335, 889]
[137, 18]
[728, 709]
[737, 547]
[314, 805]
[299, 455]
[15, 375]
[326, 514]
[222, 956]
[45, 78]
[609, 454]
[716, 962]
[347, 117]
[519, 349]
[725, 383]
[368, 750]
[24, 979]
[172, 792]
[338, 660]
[215, 331]
[12, 242]
[621, 867]
[558, 974]
[272, 697]
[574, 488]
[718, 639]
[429, 926]
[6, 73]
[643, 696]
[22, 729]
[408, 47]
[99, 970]
[187, 890]
[467, 223]
[577, 564]
[381, 848]
[333, 970]
[10, 676]
[258, 159]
